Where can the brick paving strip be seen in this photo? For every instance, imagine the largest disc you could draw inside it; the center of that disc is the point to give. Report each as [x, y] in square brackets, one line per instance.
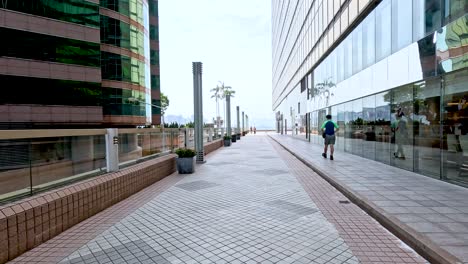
[368, 240]
[72, 239]
[430, 215]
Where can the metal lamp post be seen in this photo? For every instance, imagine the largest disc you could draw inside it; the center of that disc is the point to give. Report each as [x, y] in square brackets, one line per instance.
[197, 69]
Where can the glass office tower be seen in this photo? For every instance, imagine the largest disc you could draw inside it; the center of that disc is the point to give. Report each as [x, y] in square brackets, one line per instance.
[77, 63]
[372, 65]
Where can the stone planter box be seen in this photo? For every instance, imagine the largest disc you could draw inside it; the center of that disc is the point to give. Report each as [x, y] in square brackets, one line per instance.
[185, 165]
[238, 136]
[227, 142]
[233, 138]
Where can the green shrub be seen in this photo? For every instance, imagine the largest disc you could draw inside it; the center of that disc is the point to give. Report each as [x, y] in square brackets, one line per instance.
[226, 137]
[185, 153]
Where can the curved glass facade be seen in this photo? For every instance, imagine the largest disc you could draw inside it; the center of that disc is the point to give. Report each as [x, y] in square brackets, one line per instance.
[135, 9]
[44, 91]
[75, 11]
[35, 46]
[118, 67]
[405, 57]
[120, 34]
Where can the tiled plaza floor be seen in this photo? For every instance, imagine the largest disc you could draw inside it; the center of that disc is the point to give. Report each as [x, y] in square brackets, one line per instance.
[250, 203]
[437, 211]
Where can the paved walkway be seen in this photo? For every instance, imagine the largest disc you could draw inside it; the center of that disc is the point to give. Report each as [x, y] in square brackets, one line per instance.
[250, 203]
[436, 211]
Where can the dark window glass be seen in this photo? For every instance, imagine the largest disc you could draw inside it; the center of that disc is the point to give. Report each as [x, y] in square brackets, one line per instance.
[368, 128]
[156, 110]
[455, 126]
[155, 82]
[427, 56]
[154, 34]
[121, 34]
[122, 68]
[153, 7]
[303, 84]
[122, 102]
[74, 11]
[426, 127]
[382, 127]
[426, 17]
[154, 57]
[454, 9]
[121, 6]
[27, 45]
[48, 91]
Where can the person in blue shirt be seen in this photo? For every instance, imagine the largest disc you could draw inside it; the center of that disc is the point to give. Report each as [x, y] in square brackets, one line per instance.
[329, 128]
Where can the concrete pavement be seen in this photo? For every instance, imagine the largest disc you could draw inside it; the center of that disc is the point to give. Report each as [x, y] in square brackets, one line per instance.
[431, 213]
[252, 202]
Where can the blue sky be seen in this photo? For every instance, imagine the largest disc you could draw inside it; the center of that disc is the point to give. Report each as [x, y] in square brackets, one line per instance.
[232, 39]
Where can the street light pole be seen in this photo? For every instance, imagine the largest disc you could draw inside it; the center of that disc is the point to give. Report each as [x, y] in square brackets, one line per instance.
[198, 111]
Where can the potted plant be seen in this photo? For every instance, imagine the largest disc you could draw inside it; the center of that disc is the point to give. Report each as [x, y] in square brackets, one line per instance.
[227, 141]
[233, 138]
[185, 160]
[238, 135]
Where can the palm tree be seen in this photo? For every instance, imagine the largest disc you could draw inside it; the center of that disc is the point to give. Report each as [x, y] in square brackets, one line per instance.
[219, 93]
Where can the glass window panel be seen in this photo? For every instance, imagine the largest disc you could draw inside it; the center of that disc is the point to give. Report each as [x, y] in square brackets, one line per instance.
[348, 128]
[382, 127]
[455, 129]
[64, 92]
[369, 128]
[353, 10]
[401, 18]
[450, 41]
[340, 120]
[28, 45]
[426, 127]
[432, 15]
[357, 49]
[454, 9]
[348, 57]
[402, 109]
[356, 128]
[344, 20]
[340, 62]
[74, 11]
[368, 40]
[383, 17]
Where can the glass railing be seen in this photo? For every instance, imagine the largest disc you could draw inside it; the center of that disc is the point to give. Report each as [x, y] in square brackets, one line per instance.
[37, 160]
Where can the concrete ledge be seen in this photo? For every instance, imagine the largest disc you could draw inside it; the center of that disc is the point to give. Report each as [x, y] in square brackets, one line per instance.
[32, 221]
[420, 243]
[212, 146]
[27, 223]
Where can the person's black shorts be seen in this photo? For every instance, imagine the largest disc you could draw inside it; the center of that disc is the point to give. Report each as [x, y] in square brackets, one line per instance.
[330, 139]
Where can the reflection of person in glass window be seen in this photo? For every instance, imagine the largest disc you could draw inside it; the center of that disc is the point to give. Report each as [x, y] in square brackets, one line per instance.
[400, 131]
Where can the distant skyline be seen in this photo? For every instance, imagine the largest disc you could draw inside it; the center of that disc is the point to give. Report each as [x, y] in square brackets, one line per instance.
[233, 41]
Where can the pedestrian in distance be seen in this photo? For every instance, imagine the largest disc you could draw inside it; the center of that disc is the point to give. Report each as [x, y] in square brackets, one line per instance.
[329, 128]
[250, 129]
[400, 134]
[255, 130]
